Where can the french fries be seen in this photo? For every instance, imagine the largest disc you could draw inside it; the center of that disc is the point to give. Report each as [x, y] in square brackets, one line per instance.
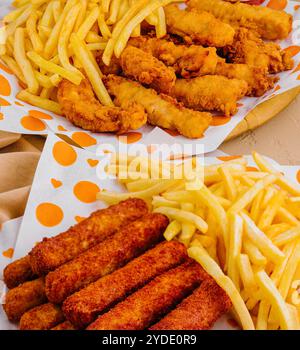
[41, 47]
[241, 226]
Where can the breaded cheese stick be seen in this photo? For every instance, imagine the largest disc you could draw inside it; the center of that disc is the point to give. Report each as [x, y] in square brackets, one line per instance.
[64, 326]
[106, 257]
[24, 297]
[42, 317]
[162, 110]
[149, 303]
[83, 307]
[53, 252]
[17, 272]
[198, 311]
[147, 69]
[269, 23]
[199, 27]
[210, 93]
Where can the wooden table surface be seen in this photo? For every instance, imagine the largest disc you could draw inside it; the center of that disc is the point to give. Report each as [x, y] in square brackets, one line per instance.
[279, 138]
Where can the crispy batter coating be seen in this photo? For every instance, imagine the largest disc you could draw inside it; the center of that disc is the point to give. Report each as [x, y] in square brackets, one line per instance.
[145, 306]
[83, 307]
[250, 49]
[199, 311]
[210, 92]
[162, 110]
[147, 69]
[17, 272]
[187, 61]
[269, 23]
[42, 317]
[199, 27]
[53, 252]
[83, 109]
[64, 326]
[24, 297]
[106, 257]
[257, 78]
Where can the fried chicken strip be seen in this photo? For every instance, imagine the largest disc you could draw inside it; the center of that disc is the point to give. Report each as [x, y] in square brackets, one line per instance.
[270, 24]
[248, 48]
[83, 307]
[147, 69]
[81, 107]
[145, 306]
[199, 311]
[24, 297]
[131, 241]
[200, 27]
[18, 272]
[64, 326]
[162, 110]
[187, 61]
[259, 82]
[42, 317]
[210, 92]
[53, 252]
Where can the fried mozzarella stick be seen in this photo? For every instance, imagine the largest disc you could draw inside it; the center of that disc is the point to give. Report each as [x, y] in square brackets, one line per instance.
[270, 24]
[200, 27]
[162, 110]
[83, 109]
[210, 93]
[83, 307]
[42, 317]
[64, 326]
[147, 69]
[187, 61]
[248, 48]
[149, 303]
[199, 311]
[18, 272]
[257, 78]
[24, 297]
[53, 252]
[131, 241]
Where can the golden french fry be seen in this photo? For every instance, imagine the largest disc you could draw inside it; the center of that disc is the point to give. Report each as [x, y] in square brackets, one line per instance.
[188, 229]
[287, 236]
[246, 272]
[91, 68]
[114, 10]
[14, 67]
[22, 61]
[254, 253]
[199, 254]
[11, 27]
[262, 317]
[228, 180]
[32, 33]
[39, 102]
[54, 68]
[281, 180]
[273, 296]
[88, 23]
[268, 215]
[172, 230]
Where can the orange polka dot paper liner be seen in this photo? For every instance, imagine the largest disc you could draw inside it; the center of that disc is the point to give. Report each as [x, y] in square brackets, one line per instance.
[17, 116]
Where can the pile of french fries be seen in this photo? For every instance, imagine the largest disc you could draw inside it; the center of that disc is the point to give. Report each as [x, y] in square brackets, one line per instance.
[50, 40]
[242, 224]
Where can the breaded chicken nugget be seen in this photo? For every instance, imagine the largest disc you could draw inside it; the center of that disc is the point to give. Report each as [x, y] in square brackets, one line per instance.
[210, 93]
[17, 272]
[83, 307]
[64, 326]
[269, 23]
[53, 252]
[106, 257]
[162, 110]
[147, 69]
[149, 303]
[81, 107]
[24, 297]
[199, 27]
[199, 311]
[42, 317]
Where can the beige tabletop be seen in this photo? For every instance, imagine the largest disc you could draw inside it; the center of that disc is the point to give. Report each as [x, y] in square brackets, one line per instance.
[279, 138]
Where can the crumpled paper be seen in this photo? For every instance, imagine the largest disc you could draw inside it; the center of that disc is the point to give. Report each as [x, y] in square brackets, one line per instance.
[17, 116]
[63, 193]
